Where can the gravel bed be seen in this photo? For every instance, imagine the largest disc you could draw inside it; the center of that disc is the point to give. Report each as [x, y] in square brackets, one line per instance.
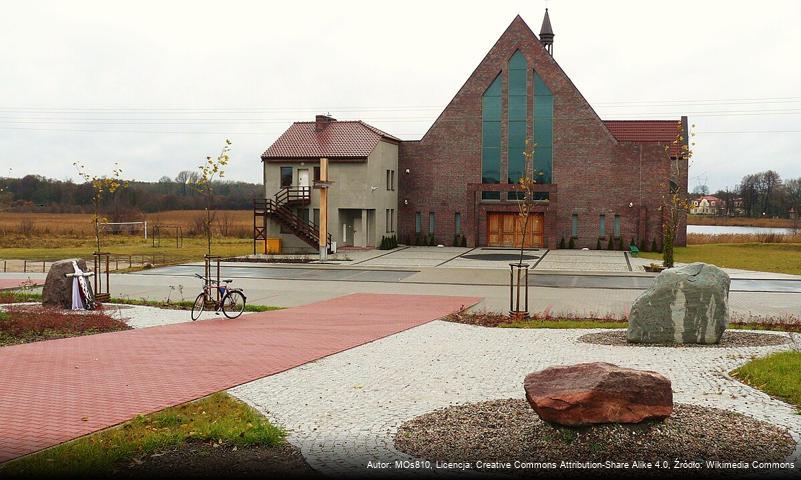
[509, 431]
[730, 338]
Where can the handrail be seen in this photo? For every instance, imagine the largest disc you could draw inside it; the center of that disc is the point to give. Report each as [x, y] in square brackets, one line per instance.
[277, 206]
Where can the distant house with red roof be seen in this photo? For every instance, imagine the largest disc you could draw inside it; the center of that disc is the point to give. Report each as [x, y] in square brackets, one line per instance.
[596, 179]
[708, 205]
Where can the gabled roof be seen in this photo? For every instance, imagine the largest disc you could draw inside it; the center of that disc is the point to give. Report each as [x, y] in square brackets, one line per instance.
[339, 139]
[645, 131]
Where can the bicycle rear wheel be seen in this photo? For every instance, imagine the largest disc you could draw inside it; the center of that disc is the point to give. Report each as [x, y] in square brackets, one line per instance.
[233, 304]
[197, 307]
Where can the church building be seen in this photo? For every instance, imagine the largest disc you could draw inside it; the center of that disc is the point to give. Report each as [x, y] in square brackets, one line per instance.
[517, 114]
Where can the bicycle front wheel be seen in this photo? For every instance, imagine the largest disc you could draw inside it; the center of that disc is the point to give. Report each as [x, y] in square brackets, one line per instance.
[233, 304]
[197, 308]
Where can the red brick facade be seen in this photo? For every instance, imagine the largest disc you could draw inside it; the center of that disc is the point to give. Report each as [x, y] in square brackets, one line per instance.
[594, 173]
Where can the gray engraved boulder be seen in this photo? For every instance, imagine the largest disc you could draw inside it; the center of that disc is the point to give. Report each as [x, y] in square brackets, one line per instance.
[688, 304]
[57, 291]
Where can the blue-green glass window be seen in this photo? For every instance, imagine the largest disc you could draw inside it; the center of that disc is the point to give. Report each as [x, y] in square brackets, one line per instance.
[574, 225]
[543, 131]
[286, 177]
[457, 223]
[418, 222]
[491, 111]
[516, 115]
[616, 226]
[602, 225]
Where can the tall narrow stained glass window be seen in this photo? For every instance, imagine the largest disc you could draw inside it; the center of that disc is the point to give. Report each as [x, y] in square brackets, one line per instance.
[516, 114]
[543, 131]
[491, 111]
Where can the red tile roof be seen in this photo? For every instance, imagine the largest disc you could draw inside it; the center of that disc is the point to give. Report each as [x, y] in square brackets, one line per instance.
[645, 131]
[339, 139]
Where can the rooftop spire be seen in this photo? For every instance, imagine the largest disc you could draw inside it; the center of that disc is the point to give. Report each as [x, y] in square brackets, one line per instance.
[546, 33]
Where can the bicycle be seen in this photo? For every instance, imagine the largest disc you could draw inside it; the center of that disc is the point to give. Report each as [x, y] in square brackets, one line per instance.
[231, 302]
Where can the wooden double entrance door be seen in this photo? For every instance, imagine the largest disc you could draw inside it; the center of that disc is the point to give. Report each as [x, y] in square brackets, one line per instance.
[506, 230]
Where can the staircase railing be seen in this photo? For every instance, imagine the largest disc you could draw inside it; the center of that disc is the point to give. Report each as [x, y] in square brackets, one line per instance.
[277, 207]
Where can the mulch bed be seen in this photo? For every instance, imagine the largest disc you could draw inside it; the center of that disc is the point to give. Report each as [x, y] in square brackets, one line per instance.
[28, 323]
[509, 431]
[730, 338]
[202, 460]
[494, 319]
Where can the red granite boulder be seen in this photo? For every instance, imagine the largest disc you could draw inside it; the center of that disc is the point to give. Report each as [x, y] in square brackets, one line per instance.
[590, 393]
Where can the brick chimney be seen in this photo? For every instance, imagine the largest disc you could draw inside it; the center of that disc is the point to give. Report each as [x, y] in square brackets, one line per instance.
[322, 121]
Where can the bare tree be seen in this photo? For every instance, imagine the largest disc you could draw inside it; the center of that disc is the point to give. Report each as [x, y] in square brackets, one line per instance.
[101, 186]
[208, 173]
[677, 201]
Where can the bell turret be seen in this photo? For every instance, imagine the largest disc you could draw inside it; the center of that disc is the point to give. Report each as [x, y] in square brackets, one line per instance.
[546, 33]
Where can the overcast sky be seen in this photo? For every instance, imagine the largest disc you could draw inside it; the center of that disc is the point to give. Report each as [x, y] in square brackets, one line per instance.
[158, 85]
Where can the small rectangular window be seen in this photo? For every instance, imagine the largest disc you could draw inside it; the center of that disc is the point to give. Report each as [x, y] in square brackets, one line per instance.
[418, 222]
[457, 222]
[389, 180]
[286, 177]
[602, 225]
[574, 225]
[392, 180]
[389, 221]
[431, 222]
[392, 220]
[316, 174]
[316, 216]
[617, 226]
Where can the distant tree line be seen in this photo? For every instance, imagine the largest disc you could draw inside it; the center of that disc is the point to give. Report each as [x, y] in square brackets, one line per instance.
[37, 193]
[762, 194]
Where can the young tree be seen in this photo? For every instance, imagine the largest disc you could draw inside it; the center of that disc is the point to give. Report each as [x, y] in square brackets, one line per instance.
[101, 186]
[524, 189]
[208, 173]
[677, 202]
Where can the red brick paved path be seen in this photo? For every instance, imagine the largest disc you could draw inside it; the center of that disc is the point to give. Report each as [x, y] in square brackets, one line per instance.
[6, 283]
[57, 390]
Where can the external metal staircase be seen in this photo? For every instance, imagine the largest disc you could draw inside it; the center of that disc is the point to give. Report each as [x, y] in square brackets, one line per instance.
[279, 208]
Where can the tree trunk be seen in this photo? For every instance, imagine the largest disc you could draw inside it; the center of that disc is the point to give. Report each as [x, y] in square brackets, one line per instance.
[523, 240]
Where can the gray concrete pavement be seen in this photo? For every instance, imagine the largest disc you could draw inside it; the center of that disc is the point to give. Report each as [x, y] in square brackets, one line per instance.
[581, 293]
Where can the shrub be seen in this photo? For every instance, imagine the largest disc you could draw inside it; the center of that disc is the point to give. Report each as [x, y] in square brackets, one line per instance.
[643, 243]
[571, 244]
[431, 240]
[653, 245]
[464, 241]
[562, 243]
[610, 245]
[598, 244]
[456, 241]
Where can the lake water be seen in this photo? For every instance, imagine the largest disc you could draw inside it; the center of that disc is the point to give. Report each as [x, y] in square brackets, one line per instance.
[718, 229]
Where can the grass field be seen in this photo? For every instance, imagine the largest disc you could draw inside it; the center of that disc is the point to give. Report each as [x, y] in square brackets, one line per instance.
[193, 248]
[79, 225]
[218, 418]
[766, 257]
[778, 375]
